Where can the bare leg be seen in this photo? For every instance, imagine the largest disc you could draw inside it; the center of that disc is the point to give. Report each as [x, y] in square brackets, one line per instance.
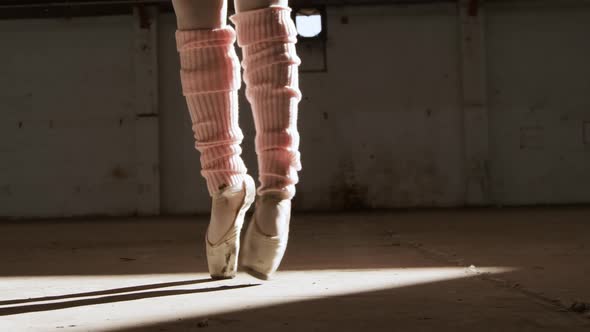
[245, 5]
[200, 14]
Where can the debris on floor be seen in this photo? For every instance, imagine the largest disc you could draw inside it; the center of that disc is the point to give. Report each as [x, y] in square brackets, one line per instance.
[580, 307]
[127, 259]
[203, 323]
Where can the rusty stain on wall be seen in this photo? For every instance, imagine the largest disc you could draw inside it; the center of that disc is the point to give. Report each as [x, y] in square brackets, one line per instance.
[473, 8]
[345, 191]
[144, 17]
[397, 180]
[119, 173]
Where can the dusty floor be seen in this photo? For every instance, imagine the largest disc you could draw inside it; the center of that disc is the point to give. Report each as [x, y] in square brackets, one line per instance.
[439, 270]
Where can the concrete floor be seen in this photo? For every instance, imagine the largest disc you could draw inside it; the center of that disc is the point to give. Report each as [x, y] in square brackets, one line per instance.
[443, 270]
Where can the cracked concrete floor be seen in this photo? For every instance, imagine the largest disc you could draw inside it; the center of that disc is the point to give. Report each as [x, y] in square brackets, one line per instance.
[516, 269]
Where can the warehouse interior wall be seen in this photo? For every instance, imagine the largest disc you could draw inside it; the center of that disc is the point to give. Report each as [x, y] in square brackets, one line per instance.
[430, 105]
[539, 103]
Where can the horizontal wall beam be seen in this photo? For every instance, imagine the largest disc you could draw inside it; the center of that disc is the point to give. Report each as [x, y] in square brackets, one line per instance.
[15, 9]
[10, 9]
[135, 2]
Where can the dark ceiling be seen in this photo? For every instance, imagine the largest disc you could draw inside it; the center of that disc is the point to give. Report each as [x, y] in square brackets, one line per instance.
[11, 9]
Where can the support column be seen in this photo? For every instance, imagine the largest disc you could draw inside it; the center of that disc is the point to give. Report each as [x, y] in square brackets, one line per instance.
[146, 110]
[474, 102]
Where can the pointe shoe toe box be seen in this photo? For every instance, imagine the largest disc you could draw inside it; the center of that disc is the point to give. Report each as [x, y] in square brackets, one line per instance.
[263, 254]
[222, 257]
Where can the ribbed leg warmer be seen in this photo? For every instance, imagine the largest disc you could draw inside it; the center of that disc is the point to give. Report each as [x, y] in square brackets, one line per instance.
[267, 37]
[210, 77]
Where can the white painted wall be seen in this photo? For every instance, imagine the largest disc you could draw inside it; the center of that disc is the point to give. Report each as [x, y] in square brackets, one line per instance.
[539, 98]
[384, 127]
[183, 190]
[66, 117]
[381, 128]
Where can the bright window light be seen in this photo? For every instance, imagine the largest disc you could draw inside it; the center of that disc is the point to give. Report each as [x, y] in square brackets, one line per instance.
[309, 22]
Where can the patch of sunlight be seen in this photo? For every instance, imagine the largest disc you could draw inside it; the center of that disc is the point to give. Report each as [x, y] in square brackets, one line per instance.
[104, 303]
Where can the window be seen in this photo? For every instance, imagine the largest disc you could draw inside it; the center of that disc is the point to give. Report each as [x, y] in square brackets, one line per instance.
[312, 36]
[309, 22]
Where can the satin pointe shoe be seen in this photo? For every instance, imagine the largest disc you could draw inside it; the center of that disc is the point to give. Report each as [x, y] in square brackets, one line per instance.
[222, 256]
[262, 253]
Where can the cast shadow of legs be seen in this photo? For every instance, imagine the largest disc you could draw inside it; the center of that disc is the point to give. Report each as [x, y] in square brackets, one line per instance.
[112, 298]
[108, 291]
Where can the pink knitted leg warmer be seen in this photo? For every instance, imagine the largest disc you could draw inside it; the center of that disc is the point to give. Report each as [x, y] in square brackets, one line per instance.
[267, 37]
[210, 77]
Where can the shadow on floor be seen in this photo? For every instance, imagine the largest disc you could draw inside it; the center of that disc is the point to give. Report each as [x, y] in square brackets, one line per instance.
[110, 299]
[466, 304]
[108, 291]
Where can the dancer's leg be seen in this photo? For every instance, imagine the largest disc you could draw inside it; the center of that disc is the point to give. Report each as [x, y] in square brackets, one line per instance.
[267, 36]
[246, 5]
[200, 14]
[210, 76]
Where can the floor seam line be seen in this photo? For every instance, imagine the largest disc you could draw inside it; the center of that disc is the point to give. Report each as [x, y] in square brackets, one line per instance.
[513, 286]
